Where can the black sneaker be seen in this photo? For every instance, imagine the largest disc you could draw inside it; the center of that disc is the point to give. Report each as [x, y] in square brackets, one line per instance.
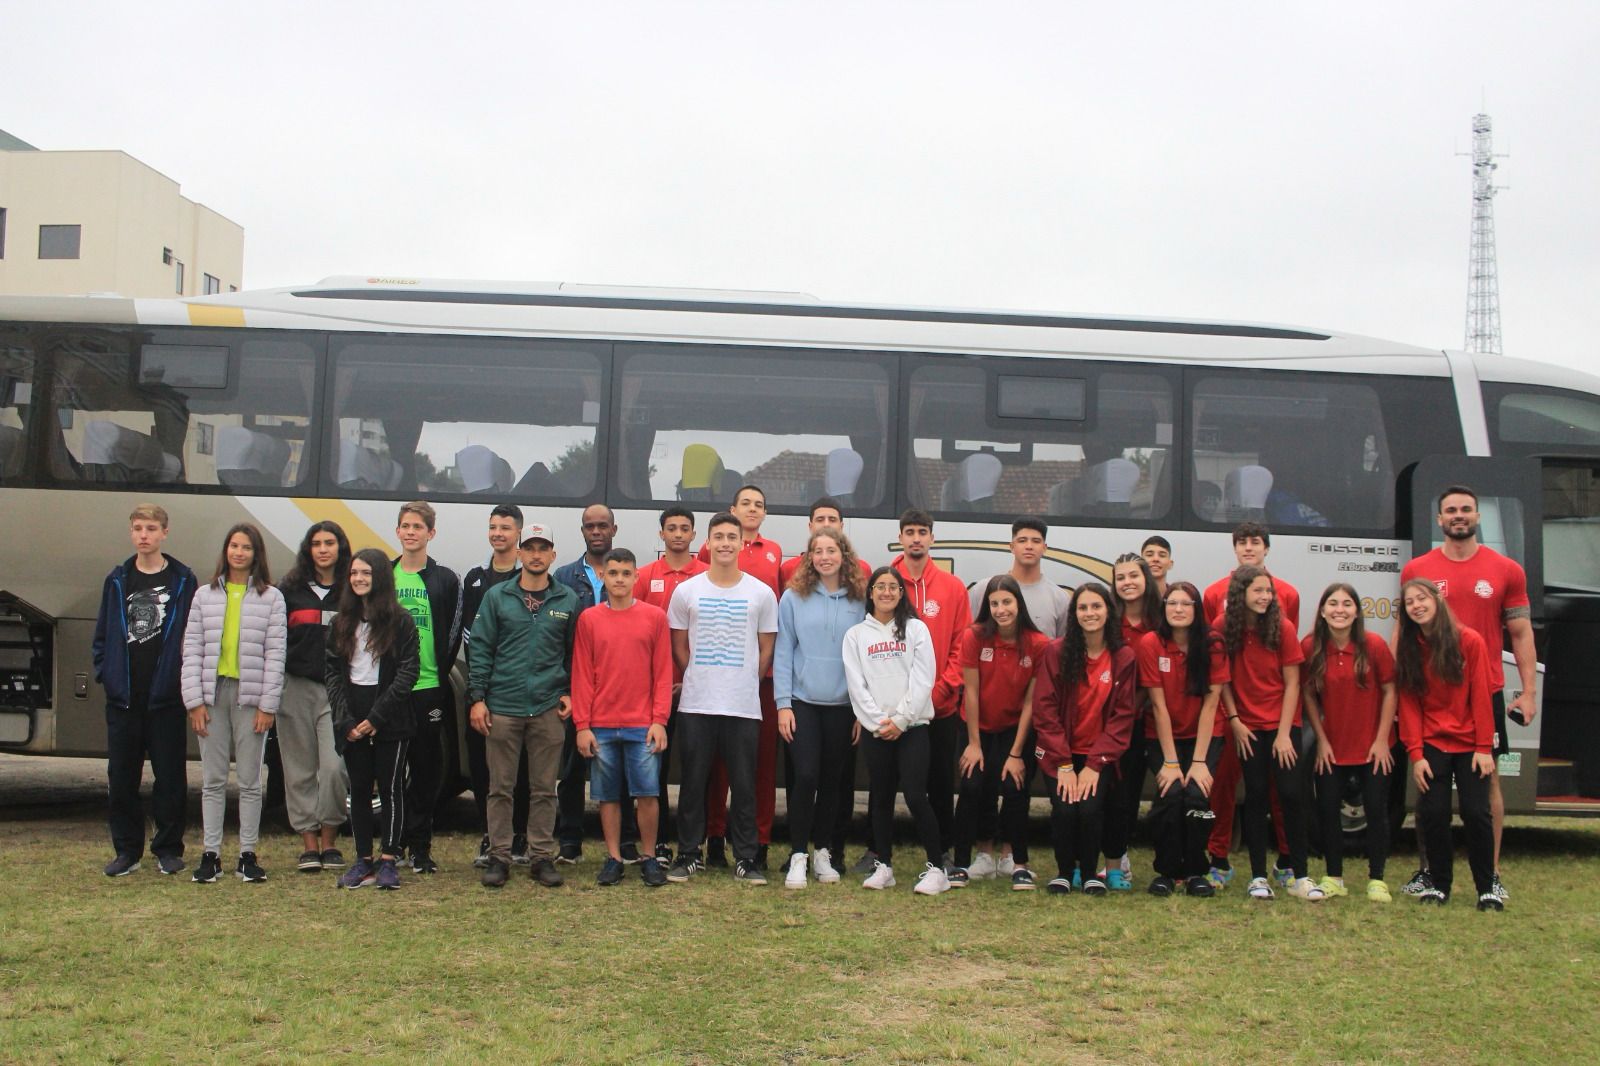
[1420, 882]
[685, 866]
[761, 858]
[1162, 886]
[481, 860]
[570, 854]
[1059, 886]
[310, 862]
[1490, 902]
[249, 870]
[651, 873]
[630, 853]
[122, 866]
[664, 854]
[495, 873]
[422, 863]
[519, 849]
[1022, 880]
[747, 871]
[544, 871]
[716, 855]
[956, 876]
[170, 864]
[1200, 887]
[209, 870]
[332, 859]
[865, 865]
[1432, 897]
[610, 872]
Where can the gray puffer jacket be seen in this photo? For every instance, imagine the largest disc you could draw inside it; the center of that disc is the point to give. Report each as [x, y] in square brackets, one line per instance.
[263, 641]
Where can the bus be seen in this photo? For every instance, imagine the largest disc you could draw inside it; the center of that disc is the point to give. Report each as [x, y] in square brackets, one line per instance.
[342, 399]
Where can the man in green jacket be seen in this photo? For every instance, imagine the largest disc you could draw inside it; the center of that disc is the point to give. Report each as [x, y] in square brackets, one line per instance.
[520, 673]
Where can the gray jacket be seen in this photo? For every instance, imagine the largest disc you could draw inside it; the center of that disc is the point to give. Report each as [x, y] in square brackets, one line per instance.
[263, 642]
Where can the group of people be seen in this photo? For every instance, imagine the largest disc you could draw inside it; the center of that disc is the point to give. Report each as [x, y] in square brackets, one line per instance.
[954, 700]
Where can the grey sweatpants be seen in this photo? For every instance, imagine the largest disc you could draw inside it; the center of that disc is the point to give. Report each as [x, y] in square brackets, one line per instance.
[314, 780]
[231, 735]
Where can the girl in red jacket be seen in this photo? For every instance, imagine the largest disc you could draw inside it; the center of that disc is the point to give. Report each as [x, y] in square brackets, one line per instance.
[1447, 726]
[1262, 704]
[1139, 608]
[1083, 709]
[1349, 699]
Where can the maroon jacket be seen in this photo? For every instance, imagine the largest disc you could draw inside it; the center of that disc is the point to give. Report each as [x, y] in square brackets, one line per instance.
[1055, 712]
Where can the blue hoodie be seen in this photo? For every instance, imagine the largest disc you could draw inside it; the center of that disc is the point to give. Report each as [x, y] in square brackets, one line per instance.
[111, 640]
[807, 659]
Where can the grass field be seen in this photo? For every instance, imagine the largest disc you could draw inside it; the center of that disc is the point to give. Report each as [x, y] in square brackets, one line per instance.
[147, 968]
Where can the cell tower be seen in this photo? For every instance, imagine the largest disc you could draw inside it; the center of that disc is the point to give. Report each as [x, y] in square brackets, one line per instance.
[1483, 280]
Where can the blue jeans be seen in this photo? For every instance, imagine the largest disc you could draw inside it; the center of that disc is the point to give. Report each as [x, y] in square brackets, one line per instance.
[623, 758]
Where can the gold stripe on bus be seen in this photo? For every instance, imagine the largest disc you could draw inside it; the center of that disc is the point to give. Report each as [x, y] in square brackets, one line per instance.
[207, 315]
[361, 535]
[1087, 563]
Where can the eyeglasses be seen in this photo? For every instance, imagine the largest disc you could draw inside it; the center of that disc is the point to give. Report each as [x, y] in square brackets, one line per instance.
[881, 587]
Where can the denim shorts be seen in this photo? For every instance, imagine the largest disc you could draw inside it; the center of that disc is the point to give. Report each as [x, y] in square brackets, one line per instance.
[622, 755]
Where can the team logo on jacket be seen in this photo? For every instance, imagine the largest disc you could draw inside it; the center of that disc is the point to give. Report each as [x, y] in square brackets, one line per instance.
[986, 655]
[1026, 662]
[1105, 677]
[1164, 664]
[887, 647]
[1483, 589]
[930, 608]
[658, 584]
[771, 558]
[1443, 585]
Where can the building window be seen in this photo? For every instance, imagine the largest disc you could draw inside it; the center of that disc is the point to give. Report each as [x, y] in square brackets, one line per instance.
[212, 285]
[206, 444]
[233, 288]
[179, 265]
[59, 242]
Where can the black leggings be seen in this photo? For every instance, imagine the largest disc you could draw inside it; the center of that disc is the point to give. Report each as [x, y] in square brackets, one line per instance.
[383, 763]
[1260, 768]
[1433, 814]
[817, 756]
[1075, 828]
[1122, 799]
[979, 791]
[1181, 820]
[1331, 788]
[900, 766]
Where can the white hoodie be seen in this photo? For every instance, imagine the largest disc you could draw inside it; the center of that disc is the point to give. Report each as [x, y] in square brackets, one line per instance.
[888, 678]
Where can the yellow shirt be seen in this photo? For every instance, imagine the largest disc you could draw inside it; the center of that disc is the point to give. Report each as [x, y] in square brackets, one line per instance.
[228, 656]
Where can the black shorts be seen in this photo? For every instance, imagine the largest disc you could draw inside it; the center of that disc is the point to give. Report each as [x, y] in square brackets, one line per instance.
[1502, 739]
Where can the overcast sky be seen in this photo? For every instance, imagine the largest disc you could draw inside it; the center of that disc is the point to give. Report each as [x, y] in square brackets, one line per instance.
[1237, 161]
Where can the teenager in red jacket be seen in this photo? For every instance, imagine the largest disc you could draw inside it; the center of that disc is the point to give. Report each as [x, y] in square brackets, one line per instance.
[1447, 727]
[1349, 700]
[1139, 609]
[1262, 706]
[1084, 692]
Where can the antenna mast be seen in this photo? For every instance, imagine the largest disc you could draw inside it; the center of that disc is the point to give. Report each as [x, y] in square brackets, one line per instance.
[1483, 282]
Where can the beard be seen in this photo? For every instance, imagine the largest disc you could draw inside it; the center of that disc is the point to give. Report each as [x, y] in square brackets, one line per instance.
[1455, 534]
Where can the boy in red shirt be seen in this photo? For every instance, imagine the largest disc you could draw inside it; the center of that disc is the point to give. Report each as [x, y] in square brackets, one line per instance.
[621, 700]
[826, 513]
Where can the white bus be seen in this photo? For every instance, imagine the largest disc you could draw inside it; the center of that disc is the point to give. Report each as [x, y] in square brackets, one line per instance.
[341, 399]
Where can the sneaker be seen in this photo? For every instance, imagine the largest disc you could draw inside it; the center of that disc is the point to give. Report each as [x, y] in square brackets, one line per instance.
[796, 877]
[358, 876]
[1333, 886]
[1058, 886]
[209, 870]
[822, 867]
[957, 877]
[495, 873]
[1022, 880]
[121, 866]
[865, 865]
[716, 854]
[1219, 876]
[310, 862]
[685, 866]
[544, 871]
[388, 876]
[1306, 889]
[651, 873]
[170, 864]
[1005, 866]
[982, 866]
[249, 870]
[882, 876]
[421, 862]
[1498, 887]
[933, 881]
[664, 855]
[630, 854]
[519, 850]
[1118, 880]
[1260, 888]
[610, 872]
[1282, 877]
[1420, 882]
[1162, 886]
[332, 859]
[569, 854]
[1199, 887]
[1432, 897]
[481, 860]
[1094, 887]
[747, 871]
[1490, 902]
[1378, 892]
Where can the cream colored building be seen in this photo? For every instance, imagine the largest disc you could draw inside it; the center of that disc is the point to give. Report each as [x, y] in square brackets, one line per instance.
[101, 221]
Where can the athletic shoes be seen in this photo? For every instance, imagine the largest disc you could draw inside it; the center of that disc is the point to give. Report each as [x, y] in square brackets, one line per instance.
[519, 850]
[957, 877]
[982, 866]
[332, 859]
[121, 866]
[749, 873]
[1282, 877]
[1333, 886]
[651, 873]
[570, 854]
[1162, 886]
[1094, 887]
[1022, 880]
[1005, 866]
[481, 861]
[664, 854]
[1058, 886]
[1118, 881]
[1260, 888]
[358, 876]
[1199, 887]
[932, 881]
[209, 870]
[685, 866]
[495, 873]
[249, 870]
[610, 872]
[1432, 897]
[1306, 889]
[882, 876]
[310, 862]
[630, 854]
[795, 877]
[421, 862]
[1420, 882]
[167, 865]
[1498, 887]
[822, 867]
[716, 854]
[1378, 892]
[865, 865]
[544, 871]
[1490, 902]
[388, 875]
[1220, 876]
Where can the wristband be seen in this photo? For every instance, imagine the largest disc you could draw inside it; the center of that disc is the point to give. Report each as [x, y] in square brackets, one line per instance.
[1231, 717]
[1173, 764]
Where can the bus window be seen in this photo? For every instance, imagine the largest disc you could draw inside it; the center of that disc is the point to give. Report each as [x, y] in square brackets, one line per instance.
[447, 415]
[696, 423]
[16, 401]
[1088, 444]
[182, 410]
[1551, 417]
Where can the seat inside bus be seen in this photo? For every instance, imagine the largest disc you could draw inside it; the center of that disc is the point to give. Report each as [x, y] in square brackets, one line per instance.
[247, 457]
[113, 452]
[482, 470]
[973, 484]
[12, 451]
[363, 469]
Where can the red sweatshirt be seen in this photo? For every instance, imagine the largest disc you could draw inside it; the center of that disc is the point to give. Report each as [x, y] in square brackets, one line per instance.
[941, 601]
[1096, 719]
[622, 668]
[1452, 718]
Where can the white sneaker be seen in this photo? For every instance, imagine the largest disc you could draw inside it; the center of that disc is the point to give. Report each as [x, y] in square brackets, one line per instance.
[1305, 888]
[882, 876]
[1006, 866]
[982, 866]
[1260, 888]
[822, 867]
[933, 881]
[796, 877]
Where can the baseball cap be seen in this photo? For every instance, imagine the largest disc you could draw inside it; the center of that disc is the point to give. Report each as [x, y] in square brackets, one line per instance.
[536, 531]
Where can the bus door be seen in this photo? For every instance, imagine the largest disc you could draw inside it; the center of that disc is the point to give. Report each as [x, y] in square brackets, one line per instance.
[1511, 518]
